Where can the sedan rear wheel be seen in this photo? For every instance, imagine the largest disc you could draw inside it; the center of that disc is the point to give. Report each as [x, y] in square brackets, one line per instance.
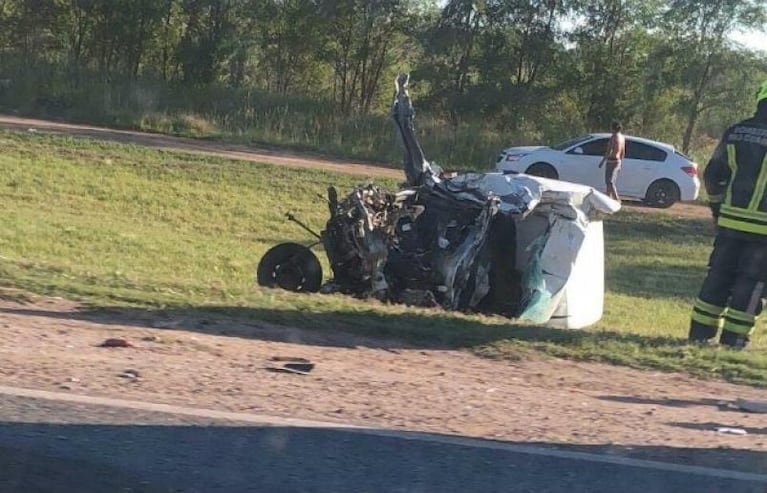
[662, 194]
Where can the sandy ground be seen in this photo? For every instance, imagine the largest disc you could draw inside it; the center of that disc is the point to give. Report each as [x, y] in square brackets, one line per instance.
[53, 344]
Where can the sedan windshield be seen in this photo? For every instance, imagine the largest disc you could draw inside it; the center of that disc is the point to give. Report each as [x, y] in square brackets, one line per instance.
[569, 143]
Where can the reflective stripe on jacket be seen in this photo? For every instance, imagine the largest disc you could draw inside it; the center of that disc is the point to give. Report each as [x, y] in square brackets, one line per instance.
[736, 177]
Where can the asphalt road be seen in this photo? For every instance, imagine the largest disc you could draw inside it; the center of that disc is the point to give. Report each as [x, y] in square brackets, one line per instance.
[59, 447]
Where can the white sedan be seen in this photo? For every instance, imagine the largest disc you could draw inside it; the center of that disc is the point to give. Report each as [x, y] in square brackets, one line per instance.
[653, 172]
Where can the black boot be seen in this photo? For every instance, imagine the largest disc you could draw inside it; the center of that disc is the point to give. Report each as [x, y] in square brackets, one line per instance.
[733, 340]
[700, 333]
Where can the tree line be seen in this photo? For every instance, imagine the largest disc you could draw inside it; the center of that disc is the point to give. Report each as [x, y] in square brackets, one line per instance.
[535, 68]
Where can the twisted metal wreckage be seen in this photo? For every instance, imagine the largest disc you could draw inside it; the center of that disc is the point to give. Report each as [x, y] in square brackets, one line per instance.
[517, 245]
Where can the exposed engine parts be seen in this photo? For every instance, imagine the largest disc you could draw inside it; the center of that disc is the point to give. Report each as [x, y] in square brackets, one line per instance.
[472, 241]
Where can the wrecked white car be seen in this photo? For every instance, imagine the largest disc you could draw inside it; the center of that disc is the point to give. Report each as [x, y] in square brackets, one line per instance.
[516, 245]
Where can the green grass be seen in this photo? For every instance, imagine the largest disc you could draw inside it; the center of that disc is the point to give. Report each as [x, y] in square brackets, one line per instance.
[119, 225]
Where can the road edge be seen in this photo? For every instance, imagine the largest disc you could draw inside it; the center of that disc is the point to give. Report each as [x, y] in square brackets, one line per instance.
[455, 440]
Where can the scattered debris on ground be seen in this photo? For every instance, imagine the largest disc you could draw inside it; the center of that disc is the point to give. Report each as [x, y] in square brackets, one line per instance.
[731, 431]
[372, 381]
[116, 342]
[130, 374]
[752, 406]
[300, 366]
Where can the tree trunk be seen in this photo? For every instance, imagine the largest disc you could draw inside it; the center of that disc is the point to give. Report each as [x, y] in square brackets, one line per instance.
[165, 42]
[692, 119]
[694, 113]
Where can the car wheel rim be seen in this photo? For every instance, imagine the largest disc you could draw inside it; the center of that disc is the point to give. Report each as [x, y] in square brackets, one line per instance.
[661, 196]
[288, 276]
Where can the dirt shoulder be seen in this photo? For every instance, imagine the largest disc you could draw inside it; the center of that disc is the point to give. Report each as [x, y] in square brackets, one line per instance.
[197, 146]
[262, 155]
[52, 344]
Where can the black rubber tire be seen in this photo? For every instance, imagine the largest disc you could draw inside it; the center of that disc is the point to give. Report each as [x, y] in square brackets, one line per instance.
[292, 267]
[544, 170]
[662, 194]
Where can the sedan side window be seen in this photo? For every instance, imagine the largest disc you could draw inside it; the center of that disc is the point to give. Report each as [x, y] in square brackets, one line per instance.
[637, 150]
[596, 147]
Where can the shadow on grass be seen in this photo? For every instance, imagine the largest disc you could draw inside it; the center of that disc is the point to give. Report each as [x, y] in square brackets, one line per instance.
[656, 280]
[643, 225]
[15, 296]
[346, 329]
[656, 276]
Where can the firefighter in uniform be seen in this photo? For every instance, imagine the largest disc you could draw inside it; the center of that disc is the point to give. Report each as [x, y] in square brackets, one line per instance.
[731, 297]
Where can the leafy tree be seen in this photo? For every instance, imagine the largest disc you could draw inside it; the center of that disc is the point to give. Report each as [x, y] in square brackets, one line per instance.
[360, 39]
[698, 31]
[208, 23]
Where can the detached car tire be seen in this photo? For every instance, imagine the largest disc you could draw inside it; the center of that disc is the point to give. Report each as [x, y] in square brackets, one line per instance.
[544, 170]
[662, 194]
[292, 267]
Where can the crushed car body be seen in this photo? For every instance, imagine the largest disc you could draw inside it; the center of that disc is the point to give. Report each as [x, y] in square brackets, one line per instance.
[515, 245]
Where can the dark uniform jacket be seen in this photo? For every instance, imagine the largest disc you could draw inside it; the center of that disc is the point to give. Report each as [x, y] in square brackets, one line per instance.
[736, 179]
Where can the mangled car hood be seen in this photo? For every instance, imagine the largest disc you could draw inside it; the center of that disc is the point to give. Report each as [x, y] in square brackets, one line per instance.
[476, 241]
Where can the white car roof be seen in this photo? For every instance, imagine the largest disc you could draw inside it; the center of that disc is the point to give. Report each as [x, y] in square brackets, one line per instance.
[641, 140]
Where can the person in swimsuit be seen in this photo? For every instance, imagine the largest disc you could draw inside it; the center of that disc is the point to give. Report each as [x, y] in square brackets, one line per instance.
[616, 150]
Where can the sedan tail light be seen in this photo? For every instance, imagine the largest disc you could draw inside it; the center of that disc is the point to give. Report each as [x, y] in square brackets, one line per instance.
[691, 170]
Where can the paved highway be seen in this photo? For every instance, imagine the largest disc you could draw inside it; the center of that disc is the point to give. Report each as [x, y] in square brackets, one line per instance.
[55, 446]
